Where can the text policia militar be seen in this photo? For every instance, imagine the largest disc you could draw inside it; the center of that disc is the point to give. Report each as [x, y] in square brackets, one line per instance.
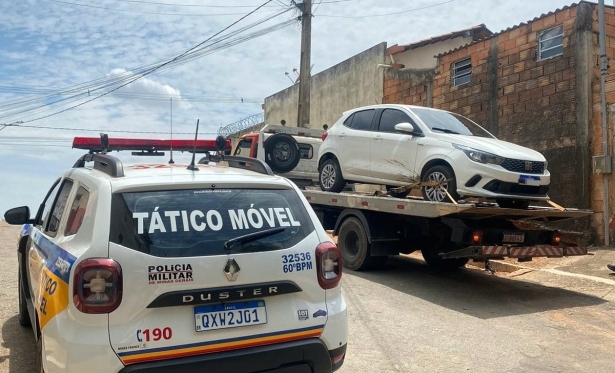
[197, 220]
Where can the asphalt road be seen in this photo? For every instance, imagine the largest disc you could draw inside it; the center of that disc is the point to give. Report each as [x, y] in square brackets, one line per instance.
[409, 318]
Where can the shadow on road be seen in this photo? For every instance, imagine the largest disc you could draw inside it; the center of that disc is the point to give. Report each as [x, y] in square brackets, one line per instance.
[21, 345]
[473, 292]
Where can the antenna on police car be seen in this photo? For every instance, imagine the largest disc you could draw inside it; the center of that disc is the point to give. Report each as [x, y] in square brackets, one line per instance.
[104, 142]
[191, 166]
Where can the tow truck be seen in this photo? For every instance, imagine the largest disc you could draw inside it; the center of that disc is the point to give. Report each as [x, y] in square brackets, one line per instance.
[371, 227]
[291, 152]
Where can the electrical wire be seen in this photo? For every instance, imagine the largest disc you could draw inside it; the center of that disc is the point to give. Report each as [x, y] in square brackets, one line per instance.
[130, 76]
[137, 95]
[140, 12]
[388, 14]
[46, 107]
[196, 5]
[101, 83]
[118, 77]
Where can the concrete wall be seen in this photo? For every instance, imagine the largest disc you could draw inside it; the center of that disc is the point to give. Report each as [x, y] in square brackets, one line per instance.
[544, 105]
[349, 84]
[424, 57]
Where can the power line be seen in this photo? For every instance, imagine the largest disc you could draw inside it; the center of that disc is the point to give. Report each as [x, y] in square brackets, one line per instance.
[155, 68]
[104, 130]
[179, 60]
[136, 95]
[153, 13]
[101, 83]
[388, 14]
[195, 5]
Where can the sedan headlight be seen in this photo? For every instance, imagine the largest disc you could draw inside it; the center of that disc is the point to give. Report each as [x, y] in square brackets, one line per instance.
[480, 156]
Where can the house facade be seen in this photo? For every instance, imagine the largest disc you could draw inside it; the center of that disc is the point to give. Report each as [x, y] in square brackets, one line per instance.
[358, 81]
[536, 84]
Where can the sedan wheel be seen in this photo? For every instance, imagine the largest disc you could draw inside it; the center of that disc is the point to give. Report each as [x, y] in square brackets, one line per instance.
[330, 177]
[440, 174]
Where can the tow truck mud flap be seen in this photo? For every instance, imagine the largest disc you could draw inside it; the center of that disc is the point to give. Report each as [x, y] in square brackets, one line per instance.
[515, 252]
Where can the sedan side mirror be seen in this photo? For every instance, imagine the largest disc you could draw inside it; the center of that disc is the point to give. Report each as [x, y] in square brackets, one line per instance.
[407, 128]
[18, 216]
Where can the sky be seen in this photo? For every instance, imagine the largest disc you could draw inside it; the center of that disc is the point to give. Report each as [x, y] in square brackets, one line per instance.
[49, 45]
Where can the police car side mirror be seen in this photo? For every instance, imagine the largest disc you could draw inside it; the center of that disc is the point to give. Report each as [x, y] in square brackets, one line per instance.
[18, 216]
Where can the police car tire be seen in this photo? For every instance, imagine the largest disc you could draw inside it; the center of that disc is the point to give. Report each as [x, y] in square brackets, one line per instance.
[24, 317]
[292, 146]
[353, 233]
[39, 355]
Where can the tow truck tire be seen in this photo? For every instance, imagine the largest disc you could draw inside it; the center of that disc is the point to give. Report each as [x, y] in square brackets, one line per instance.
[24, 317]
[282, 153]
[355, 247]
[433, 260]
[330, 176]
[440, 173]
[513, 204]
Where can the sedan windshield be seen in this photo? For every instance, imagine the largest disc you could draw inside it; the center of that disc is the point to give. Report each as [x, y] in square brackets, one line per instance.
[445, 122]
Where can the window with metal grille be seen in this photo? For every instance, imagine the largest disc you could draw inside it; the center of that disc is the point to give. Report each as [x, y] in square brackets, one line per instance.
[462, 72]
[551, 43]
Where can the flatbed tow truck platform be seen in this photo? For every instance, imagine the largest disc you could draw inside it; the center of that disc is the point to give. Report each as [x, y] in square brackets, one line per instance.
[372, 227]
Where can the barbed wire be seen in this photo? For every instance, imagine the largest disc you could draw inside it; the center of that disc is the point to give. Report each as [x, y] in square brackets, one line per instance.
[242, 125]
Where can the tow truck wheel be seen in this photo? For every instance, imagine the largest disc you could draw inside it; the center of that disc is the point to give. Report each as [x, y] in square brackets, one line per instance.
[330, 176]
[352, 241]
[433, 260]
[282, 152]
[24, 317]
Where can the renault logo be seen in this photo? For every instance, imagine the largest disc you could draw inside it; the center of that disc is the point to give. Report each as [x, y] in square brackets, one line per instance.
[231, 270]
[528, 166]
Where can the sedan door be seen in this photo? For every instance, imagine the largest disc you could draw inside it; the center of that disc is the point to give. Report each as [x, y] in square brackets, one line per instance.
[353, 143]
[393, 154]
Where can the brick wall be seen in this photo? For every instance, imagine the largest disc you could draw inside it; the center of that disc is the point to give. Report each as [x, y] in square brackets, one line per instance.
[521, 100]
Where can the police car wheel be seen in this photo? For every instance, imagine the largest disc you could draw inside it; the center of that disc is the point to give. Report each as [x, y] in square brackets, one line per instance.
[39, 355]
[24, 317]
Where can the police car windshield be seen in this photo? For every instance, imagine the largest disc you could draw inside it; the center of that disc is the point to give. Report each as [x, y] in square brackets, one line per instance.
[181, 223]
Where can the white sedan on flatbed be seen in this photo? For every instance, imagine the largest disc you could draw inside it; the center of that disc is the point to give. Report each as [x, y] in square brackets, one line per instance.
[394, 145]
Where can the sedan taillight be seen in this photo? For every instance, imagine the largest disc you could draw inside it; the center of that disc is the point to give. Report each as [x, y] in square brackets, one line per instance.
[97, 286]
[328, 265]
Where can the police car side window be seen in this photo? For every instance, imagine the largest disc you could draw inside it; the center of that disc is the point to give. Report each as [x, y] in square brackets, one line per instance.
[58, 208]
[48, 203]
[77, 211]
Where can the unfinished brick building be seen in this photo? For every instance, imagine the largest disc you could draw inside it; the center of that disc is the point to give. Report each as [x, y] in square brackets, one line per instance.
[536, 84]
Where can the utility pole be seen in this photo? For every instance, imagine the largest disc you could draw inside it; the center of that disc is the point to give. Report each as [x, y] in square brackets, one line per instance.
[303, 117]
[171, 161]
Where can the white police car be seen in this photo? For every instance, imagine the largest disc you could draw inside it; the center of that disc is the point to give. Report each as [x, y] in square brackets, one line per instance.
[168, 267]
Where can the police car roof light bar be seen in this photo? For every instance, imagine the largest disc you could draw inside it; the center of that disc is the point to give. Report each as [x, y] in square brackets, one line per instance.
[94, 145]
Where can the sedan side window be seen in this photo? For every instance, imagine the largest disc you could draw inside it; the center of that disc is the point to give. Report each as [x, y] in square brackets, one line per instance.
[58, 208]
[363, 120]
[391, 117]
